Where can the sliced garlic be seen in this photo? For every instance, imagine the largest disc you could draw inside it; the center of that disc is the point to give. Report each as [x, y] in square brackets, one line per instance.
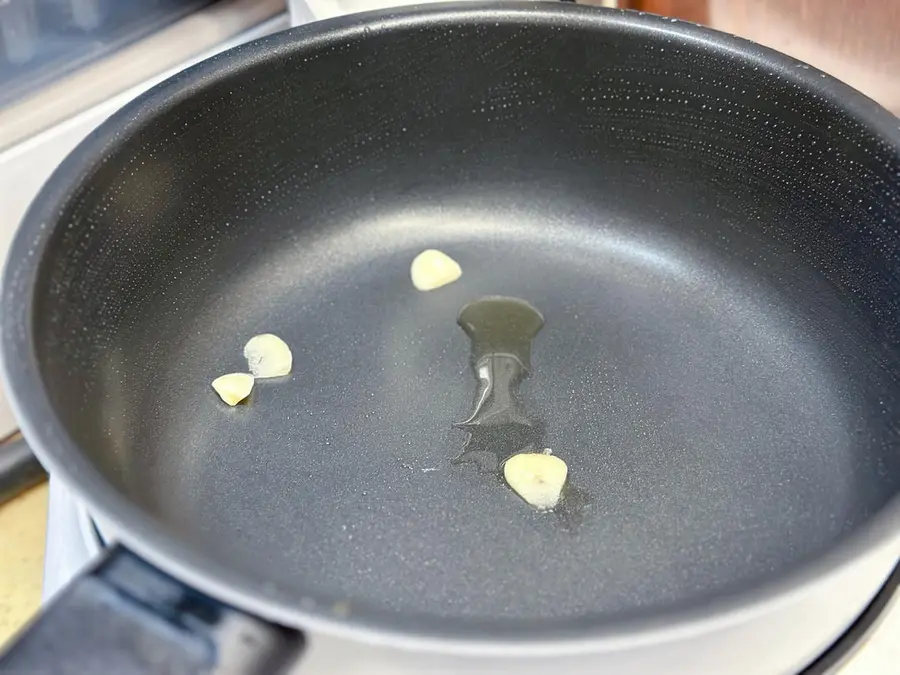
[432, 269]
[537, 478]
[268, 356]
[234, 387]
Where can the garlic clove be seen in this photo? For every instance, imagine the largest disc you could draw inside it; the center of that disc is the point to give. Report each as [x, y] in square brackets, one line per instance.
[537, 478]
[432, 269]
[268, 356]
[234, 387]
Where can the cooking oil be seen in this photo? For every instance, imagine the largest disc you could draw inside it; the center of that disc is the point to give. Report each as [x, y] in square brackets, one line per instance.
[501, 331]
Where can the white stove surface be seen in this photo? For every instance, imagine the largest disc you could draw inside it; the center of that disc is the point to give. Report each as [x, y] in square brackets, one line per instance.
[72, 544]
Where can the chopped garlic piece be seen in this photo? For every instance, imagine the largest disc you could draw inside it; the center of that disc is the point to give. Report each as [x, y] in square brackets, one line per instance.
[432, 269]
[268, 356]
[234, 387]
[537, 478]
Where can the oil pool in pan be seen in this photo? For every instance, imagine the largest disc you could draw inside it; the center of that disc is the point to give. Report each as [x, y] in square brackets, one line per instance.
[503, 437]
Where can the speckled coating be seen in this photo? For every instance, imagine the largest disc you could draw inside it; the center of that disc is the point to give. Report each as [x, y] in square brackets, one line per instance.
[708, 228]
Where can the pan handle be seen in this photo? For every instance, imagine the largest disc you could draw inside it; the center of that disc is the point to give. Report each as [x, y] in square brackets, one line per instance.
[125, 617]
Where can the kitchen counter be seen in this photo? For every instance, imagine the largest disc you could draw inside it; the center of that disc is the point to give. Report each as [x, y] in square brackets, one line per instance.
[23, 527]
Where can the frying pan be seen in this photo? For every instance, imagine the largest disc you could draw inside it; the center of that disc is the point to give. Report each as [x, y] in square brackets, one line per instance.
[707, 228]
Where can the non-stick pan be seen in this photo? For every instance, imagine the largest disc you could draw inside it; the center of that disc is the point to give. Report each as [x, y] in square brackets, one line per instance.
[707, 228]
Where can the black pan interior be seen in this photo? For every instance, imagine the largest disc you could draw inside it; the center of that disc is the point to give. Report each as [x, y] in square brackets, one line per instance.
[708, 230]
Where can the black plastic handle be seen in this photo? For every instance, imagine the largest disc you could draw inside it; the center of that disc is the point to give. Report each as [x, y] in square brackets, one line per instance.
[19, 469]
[125, 617]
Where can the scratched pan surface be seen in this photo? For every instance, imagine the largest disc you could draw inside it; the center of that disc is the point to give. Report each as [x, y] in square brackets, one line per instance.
[706, 228]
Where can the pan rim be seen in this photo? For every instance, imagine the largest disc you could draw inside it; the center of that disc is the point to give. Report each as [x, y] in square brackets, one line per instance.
[150, 538]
